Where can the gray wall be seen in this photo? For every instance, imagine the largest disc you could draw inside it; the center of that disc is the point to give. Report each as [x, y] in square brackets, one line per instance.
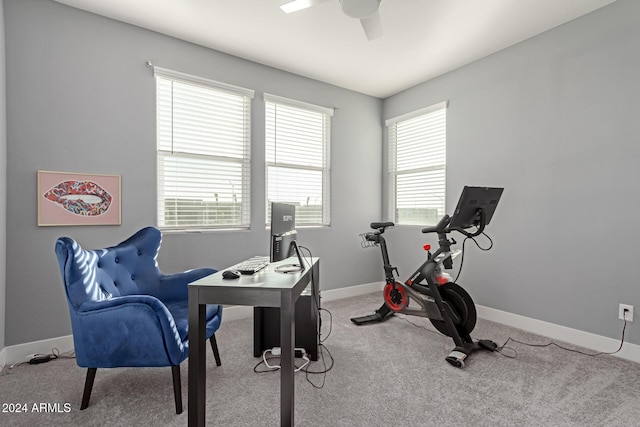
[554, 120]
[80, 99]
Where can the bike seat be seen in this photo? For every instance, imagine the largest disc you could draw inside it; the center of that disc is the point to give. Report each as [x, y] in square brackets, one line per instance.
[377, 225]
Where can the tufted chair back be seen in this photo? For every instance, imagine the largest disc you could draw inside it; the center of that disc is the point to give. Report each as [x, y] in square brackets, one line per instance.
[126, 269]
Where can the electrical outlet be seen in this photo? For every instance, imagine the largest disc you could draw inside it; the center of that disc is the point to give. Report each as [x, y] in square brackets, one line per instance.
[625, 311]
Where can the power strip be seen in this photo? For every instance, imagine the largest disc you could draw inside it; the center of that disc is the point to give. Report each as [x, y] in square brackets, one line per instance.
[276, 351]
[299, 352]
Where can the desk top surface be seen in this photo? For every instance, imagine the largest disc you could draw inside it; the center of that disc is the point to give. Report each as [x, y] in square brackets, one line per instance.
[267, 278]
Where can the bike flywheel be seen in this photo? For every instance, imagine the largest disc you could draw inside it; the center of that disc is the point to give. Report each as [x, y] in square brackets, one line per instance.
[459, 301]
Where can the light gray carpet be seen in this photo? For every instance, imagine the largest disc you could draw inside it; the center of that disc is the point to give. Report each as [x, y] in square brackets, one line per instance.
[390, 373]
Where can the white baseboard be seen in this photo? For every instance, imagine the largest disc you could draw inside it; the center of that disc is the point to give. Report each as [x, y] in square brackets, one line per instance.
[352, 291]
[577, 337]
[17, 353]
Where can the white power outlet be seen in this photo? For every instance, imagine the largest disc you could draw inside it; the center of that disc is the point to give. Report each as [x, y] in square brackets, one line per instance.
[625, 311]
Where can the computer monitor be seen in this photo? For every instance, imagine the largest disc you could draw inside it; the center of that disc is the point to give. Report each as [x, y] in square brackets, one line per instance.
[472, 201]
[283, 218]
[283, 234]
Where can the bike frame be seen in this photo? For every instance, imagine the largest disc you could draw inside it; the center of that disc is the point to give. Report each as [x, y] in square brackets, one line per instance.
[427, 297]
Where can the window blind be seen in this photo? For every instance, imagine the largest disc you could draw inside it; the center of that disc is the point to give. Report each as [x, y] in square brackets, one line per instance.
[297, 139]
[203, 152]
[417, 167]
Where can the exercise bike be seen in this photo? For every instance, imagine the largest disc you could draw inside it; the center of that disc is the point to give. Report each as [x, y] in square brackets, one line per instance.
[446, 304]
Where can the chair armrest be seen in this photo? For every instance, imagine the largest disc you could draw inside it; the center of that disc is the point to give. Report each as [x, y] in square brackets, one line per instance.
[174, 287]
[104, 306]
[133, 330]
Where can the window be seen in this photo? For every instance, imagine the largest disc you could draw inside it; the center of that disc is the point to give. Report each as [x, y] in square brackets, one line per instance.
[203, 159]
[297, 138]
[417, 165]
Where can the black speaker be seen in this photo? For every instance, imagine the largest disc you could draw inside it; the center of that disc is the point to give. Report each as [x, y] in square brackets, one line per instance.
[266, 326]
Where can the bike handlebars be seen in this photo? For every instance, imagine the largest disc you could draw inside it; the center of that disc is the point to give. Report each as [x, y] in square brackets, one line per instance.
[440, 227]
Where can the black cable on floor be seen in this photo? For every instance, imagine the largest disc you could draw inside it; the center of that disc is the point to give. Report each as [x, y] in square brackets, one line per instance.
[600, 353]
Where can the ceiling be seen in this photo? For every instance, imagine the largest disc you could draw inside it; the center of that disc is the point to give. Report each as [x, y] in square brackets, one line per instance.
[422, 38]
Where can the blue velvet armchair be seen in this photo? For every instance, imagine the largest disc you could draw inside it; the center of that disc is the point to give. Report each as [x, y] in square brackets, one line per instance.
[125, 312]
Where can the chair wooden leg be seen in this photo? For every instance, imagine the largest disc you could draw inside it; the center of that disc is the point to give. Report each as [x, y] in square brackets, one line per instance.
[88, 385]
[177, 388]
[214, 347]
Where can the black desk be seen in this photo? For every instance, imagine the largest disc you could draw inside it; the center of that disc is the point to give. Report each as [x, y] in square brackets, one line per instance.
[267, 288]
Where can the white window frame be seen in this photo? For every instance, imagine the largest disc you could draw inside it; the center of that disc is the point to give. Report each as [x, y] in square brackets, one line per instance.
[205, 199]
[416, 135]
[321, 165]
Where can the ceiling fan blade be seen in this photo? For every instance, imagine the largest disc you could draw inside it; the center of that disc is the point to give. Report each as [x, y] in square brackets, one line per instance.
[296, 5]
[372, 26]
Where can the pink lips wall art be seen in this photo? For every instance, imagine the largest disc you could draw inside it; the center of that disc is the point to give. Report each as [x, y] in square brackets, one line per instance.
[78, 199]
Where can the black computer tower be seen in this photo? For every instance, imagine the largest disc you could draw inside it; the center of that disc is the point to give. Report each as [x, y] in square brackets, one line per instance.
[266, 326]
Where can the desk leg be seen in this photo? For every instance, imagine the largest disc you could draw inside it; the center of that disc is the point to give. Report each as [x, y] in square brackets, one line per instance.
[287, 342]
[197, 360]
[315, 308]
